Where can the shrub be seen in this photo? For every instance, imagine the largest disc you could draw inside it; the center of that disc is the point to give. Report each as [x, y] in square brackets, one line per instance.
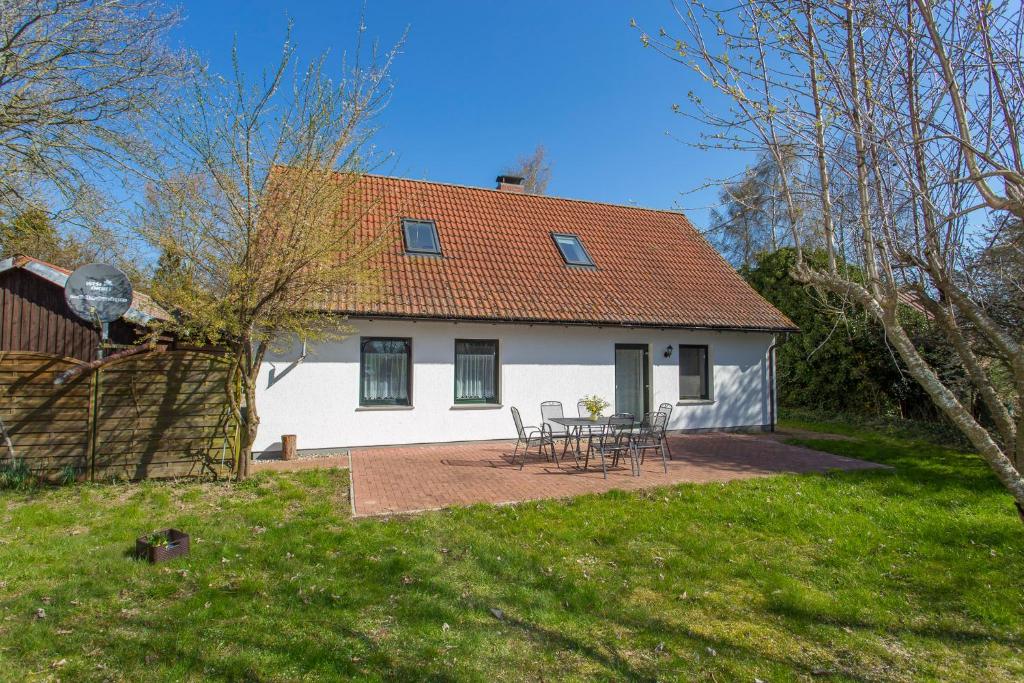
[68, 475]
[15, 474]
[840, 361]
[940, 432]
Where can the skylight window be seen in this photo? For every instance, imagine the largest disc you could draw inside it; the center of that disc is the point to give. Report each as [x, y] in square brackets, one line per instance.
[572, 249]
[420, 237]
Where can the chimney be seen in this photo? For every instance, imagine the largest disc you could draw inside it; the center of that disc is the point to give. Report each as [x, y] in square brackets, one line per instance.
[510, 183]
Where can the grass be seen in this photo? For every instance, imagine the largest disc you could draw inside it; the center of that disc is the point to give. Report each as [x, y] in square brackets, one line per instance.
[939, 431]
[904, 574]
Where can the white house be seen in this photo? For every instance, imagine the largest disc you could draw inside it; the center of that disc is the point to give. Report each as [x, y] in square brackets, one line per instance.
[494, 298]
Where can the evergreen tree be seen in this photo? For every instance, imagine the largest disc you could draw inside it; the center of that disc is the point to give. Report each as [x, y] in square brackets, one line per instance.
[33, 233]
[840, 361]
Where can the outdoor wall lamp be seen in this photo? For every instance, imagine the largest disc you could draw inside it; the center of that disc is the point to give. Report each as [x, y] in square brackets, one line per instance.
[668, 351]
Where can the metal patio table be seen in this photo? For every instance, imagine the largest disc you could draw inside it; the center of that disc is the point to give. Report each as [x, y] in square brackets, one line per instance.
[574, 427]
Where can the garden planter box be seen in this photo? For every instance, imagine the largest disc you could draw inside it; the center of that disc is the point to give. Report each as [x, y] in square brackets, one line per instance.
[177, 545]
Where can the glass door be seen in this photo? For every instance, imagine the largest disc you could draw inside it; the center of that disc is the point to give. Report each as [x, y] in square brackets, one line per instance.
[632, 379]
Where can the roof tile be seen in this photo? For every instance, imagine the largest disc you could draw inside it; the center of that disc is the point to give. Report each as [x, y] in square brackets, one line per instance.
[653, 268]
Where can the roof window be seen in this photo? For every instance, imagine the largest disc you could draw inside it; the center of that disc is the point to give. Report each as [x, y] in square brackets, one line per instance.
[572, 249]
[420, 237]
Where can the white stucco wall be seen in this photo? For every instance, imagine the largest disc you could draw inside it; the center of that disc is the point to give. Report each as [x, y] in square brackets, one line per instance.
[318, 399]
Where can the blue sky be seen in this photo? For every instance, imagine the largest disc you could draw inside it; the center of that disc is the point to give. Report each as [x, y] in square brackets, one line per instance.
[479, 83]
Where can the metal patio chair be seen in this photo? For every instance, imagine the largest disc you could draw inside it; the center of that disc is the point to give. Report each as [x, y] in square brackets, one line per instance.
[549, 410]
[553, 409]
[589, 430]
[667, 409]
[532, 436]
[650, 436]
[614, 440]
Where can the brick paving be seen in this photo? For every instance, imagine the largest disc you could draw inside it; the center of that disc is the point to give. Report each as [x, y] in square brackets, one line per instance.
[403, 479]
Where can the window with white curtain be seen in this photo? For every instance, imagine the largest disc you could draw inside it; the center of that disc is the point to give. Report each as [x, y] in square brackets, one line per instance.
[385, 368]
[476, 371]
[693, 372]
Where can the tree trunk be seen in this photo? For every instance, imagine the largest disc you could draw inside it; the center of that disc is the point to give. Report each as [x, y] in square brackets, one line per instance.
[250, 358]
[1002, 465]
[248, 434]
[7, 442]
[252, 424]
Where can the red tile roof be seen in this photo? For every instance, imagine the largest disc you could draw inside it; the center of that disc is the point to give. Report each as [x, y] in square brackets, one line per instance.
[653, 269]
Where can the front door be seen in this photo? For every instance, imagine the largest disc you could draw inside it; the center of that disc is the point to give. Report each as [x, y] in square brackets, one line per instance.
[632, 379]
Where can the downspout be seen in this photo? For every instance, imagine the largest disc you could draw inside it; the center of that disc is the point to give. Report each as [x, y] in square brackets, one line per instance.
[772, 392]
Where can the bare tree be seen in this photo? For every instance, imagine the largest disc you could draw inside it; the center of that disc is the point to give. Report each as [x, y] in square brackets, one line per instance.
[997, 272]
[259, 219]
[752, 219]
[912, 116]
[534, 169]
[76, 79]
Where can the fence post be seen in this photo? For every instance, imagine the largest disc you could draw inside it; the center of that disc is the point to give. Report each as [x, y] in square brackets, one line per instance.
[91, 429]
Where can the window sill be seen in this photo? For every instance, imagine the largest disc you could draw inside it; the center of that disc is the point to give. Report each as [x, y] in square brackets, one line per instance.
[695, 402]
[371, 408]
[477, 406]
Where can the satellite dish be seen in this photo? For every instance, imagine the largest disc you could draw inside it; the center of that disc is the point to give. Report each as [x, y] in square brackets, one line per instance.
[98, 292]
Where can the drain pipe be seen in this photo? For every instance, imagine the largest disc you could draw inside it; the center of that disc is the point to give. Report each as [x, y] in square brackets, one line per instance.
[772, 391]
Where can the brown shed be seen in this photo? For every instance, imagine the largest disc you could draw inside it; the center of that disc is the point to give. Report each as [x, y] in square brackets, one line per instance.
[34, 316]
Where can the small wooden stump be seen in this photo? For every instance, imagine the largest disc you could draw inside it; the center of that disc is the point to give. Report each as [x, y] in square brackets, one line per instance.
[288, 447]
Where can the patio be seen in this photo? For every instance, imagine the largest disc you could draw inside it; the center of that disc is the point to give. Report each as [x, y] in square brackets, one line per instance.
[404, 479]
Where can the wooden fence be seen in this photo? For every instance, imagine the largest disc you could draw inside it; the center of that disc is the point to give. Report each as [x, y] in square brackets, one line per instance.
[159, 414]
[48, 424]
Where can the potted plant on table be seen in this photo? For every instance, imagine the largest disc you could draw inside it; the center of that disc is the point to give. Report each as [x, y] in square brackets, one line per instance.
[594, 405]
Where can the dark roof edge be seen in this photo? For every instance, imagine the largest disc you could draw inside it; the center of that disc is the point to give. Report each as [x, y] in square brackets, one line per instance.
[59, 276]
[362, 315]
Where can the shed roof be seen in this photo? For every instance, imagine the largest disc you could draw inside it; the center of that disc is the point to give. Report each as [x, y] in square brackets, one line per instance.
[143, 309]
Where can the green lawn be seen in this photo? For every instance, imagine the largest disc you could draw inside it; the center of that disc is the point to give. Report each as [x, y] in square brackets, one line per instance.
[905, 574]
